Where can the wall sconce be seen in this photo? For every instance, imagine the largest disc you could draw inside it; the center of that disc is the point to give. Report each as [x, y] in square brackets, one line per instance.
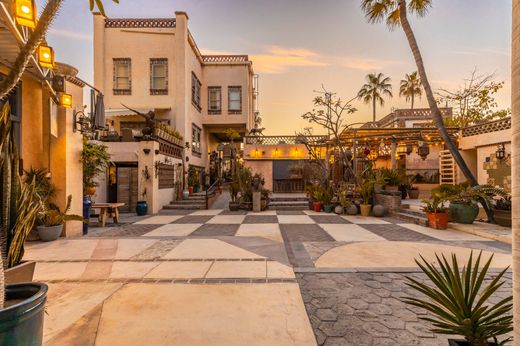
[501, 151]
[25, 13]
[46, 56]
[276, 152]
[66, 100]
[146, 151]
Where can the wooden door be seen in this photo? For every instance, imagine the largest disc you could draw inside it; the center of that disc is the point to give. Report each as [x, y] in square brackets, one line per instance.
[127, 185]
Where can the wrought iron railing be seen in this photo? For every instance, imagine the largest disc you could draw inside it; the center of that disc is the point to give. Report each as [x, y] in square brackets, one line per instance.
[492, 126]
[225, 58]
[280, 140]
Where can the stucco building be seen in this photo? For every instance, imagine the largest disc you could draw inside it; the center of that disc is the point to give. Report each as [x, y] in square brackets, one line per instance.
[154, 64]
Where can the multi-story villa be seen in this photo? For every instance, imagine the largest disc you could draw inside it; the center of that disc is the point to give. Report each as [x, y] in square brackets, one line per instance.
[154, 64]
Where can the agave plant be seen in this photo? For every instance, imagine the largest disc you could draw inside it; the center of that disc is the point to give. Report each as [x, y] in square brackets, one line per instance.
[51, 215]
[459, 302]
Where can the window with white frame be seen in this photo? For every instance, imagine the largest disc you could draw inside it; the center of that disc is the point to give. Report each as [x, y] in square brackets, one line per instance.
[214, 100]
[159, 76]
[122, 76]
[195, 91]
[235, 99]
[195, 139]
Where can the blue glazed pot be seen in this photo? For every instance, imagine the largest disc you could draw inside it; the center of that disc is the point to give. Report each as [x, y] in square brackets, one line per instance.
[22, 323]
[141, 208]
[87, 204]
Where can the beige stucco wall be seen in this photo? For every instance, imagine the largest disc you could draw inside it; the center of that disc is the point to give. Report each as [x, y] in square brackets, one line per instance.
[264, 167]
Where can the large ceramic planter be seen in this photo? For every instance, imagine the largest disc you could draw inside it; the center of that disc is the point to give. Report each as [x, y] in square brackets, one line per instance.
[185, 194]
[378, 210]
[365, 209]
[23, 272]
[328, 208]
[463, 213]
[21, 323]
[503, 217]
[352, 210]
[317, 206]
[437, 220]
[49, 233]
[141, 208]
[87, 205]
[413, 194]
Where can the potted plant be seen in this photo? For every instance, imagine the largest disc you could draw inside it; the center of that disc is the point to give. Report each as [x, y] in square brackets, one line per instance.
[317, 199]
[366, 189]
[52, 220]
[393, 180]
[234, 189]
[458, 301]
[192, 179]
[380, 180]
[503, 211]
[413, 192]
[436, 211]
[266, 194]
[328, 207]
[464, 201]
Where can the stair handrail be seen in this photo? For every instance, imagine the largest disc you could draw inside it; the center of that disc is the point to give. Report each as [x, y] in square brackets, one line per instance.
[212, 187]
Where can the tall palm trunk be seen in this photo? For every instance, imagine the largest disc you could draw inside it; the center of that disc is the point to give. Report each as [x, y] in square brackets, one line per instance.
[515, 137]
[413, 96]
[374, 108]
[435, 111]
[22, 60]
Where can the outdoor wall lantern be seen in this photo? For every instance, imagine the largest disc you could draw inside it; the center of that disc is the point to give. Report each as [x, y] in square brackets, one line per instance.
[187, 144]
[66, 100]
[423, 150]
[25, 13]
[501, 151]
[46, 56]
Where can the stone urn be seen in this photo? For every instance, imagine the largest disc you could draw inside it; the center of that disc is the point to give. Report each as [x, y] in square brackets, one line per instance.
[352, 210]
[338, 210]
[378, 210]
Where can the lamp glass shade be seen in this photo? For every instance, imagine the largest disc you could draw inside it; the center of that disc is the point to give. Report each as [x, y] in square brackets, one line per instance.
[46, 56]
[66, 100]
[25, 13]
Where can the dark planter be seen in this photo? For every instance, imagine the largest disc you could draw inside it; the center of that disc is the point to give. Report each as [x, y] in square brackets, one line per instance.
[141, 208]
[233, 206]
[328, 208]
[87, 204]
[463, 213]
[21, 323]
[23, 272]
[413, 194]
[453, 342]
[437, 220]
[503, 217]
[352, 210]
[317, 206]
[49, 233]
[196, 189]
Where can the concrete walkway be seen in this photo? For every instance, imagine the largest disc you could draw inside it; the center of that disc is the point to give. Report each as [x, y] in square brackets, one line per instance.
[215, 277]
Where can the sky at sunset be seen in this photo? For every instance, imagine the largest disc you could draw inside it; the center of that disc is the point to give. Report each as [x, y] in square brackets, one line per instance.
[298, 45]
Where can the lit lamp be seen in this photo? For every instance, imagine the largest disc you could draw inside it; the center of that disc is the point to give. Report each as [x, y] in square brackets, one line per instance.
[401, 149]
[66, 100]
[25, 13]
[501, 151]
[45, 56]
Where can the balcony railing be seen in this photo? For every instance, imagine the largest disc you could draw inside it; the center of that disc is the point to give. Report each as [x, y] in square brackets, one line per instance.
[225, 58]
[492, 126]
[280, 140]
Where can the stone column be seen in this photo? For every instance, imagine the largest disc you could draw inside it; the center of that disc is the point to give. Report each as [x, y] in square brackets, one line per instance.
[515, 155]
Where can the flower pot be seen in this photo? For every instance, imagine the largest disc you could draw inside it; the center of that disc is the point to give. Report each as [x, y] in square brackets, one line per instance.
[503, 217]
[317, 206]
[90, 191]
[196, 189]
[328, 208]
[49, 233]
[141, 208]
[190, 189]
[378, 210]
[87, 204]
[234, 206]
[21, 323]
[437, 220]
[185, 194]
[413, 194]
[352, 210]
[463, 213]
[365, 209]
[23, 272]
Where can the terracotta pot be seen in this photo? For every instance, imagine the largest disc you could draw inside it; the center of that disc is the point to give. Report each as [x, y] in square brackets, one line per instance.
[317, 206]
[365, 209]
[90, 191]
[438, 220]
[190, 189]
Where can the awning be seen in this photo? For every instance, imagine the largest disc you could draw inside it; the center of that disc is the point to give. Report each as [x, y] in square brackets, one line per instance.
[121, 112]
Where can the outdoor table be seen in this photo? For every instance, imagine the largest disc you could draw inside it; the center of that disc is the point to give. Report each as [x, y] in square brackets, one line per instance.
[104, 211]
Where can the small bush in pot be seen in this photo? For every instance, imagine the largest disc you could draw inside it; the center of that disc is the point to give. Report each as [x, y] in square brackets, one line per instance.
[413, 192]
[436, 212]
[366, 189]
[458, 300]
[234, 189]
[328, 207]
[52, 220]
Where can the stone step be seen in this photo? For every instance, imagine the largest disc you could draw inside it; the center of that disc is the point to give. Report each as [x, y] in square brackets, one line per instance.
[189, 201]
[288, 207]
[411, 216]
[288, 199]
[184, 206]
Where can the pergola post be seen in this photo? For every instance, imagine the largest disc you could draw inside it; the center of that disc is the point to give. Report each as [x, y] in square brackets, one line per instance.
[394, 151]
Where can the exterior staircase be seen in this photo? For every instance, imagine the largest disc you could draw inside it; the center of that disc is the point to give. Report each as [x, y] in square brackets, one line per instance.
[288, 202]
[196, 201]
[411, 214]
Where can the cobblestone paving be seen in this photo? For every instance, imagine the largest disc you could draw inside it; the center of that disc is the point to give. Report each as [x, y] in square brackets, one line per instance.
[366, 309]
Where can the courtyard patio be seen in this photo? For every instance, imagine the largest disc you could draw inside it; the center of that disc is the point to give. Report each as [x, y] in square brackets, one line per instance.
[233, 278]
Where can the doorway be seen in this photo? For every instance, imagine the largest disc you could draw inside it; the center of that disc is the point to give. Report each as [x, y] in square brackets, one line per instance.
[123, 186]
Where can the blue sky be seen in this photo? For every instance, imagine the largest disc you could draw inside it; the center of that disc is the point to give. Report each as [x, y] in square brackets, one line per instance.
[298, 45]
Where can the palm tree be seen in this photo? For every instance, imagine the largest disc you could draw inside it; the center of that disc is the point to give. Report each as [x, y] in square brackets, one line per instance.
[410, 87]
[394, 13]
[36, 37]
[515, 136]
[373, 91]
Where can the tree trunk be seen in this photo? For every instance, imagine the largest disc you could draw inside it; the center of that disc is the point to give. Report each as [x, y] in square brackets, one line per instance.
[435, 111]
[24, 56]
[412, 99]
[374, 110]
[515, 174]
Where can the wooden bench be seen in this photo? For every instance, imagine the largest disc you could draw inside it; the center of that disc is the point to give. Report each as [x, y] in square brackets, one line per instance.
[104, 212]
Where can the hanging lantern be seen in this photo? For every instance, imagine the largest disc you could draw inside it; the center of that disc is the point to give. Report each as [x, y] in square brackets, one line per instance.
[384, 150]
[66, 100]
[25, 13]
[423, 150]
[501, 152]
[409, 148]
[45, 56]
[401, 149]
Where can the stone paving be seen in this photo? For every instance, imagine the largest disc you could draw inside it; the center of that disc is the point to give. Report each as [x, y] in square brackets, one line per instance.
[270, 278]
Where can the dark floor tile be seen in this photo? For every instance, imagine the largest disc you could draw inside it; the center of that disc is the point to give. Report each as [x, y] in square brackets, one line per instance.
[290, 212]
[131, 230]
[215, 230]
[328, 219]
[260, 219]
[194, 219]
[304, 233]
[238, 212]
[397, 233]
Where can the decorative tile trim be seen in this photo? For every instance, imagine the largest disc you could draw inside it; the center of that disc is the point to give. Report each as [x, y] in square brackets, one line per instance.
[140, 23]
